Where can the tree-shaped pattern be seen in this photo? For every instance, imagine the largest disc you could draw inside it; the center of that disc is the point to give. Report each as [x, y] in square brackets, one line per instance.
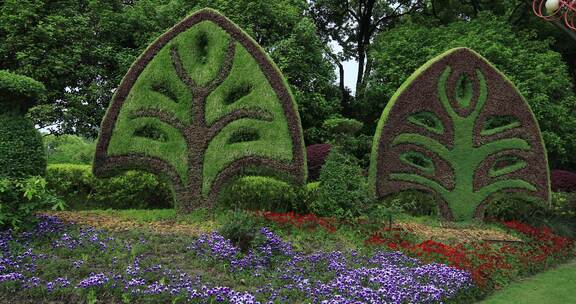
[202, 105]
[459, 128]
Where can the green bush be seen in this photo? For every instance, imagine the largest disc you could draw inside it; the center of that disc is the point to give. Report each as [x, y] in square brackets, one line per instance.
[241, 228]
[416, 203]
[509, 206]
[20, 198]
[21, 150]
[259, 193]
[69, 149]
[18, 93]
[132, 190]
[343, 189]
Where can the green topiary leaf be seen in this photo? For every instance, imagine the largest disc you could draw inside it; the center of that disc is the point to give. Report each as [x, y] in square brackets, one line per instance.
[458, 128]
[202, 104]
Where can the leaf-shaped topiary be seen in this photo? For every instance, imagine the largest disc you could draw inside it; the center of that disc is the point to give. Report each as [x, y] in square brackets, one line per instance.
[458, 128]
[201, 105]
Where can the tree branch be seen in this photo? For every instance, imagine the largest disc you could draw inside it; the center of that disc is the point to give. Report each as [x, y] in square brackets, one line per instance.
[502, 145]
[504, 184]
[425, 142]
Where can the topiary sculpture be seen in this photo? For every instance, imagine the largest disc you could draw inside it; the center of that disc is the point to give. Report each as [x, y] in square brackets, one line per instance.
[21, 150]
[202, 104]
[458, 128]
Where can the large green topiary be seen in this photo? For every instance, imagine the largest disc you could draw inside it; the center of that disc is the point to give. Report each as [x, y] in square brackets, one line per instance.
[202, 105]
[21, 150]
[459, 128]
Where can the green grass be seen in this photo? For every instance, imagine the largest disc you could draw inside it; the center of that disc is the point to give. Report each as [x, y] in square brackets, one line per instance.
[555, 286]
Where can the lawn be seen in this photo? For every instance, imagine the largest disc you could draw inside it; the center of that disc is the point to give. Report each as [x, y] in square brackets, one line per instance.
[555, 286]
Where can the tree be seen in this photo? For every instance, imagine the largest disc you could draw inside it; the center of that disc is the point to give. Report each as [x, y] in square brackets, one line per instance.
[353, 24]
[200, 106]
[82, 49]
[539, 73]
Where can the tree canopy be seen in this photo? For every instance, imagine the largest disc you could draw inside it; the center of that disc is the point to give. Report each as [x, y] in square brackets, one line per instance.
[539, 73]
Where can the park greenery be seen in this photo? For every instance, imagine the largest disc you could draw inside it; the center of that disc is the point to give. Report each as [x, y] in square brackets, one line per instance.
[209, 152]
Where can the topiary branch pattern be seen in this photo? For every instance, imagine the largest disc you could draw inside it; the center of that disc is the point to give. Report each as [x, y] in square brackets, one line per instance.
[464, 100]
[200, 106]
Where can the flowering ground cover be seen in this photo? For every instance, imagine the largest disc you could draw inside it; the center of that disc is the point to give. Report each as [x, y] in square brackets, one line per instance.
[61, 262]
[299, 259]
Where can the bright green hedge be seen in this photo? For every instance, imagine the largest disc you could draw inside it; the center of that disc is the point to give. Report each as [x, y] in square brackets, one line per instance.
[260, 193]
[132, 190]
[21, 150]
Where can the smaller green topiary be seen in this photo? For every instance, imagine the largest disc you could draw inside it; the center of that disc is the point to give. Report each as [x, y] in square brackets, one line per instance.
[21, 150]
[18, 93]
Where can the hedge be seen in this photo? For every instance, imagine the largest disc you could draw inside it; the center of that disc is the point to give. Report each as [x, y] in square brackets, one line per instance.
[21, 150]
[131, 190]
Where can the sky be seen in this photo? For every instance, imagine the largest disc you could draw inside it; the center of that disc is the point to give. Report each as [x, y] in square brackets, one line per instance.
[350, 70]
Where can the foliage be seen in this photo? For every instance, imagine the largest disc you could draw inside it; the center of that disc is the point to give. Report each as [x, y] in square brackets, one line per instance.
[415, 203]
[259, 193]
[69, 149]
[340, 126]
[509, 207]
[343, 189]
[563, 181]
[242, 114]
[477, 139]
[241, 228]
[132, 190]
[18, 93]
[81, 49]
[20, 198]
[21, 150]
[316, 157]
[539, 73]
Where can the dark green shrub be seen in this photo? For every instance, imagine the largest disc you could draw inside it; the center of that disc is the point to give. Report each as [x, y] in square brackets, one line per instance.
[21, 150]
[20, 198]
[18, 93]
[68, 149]
[416, 203]
[343, 189]
[509, 206]
[241, 228]
[259, 193]
[132, 190]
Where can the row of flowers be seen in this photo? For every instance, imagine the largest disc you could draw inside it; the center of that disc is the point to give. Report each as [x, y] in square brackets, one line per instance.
[491, 264]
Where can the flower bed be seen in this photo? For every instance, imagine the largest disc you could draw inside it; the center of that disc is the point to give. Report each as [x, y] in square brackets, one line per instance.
[490, 264]
[63, 262]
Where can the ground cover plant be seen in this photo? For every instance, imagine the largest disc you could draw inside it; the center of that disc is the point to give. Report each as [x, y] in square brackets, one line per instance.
[68, 263]
[202, 104]
[289, 258]
[458, 128]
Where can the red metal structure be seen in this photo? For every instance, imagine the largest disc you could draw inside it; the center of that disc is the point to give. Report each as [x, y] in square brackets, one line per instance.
[556, 10]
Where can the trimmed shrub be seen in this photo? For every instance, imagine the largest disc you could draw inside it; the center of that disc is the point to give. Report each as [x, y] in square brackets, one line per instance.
[18, 93]
[563, 181]
[200, 107]
[461, 130]
[20, 198]
[341, 126]
[316, 157]
[21, 150]
[132, 190]
[259, 193]
[343, 191]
